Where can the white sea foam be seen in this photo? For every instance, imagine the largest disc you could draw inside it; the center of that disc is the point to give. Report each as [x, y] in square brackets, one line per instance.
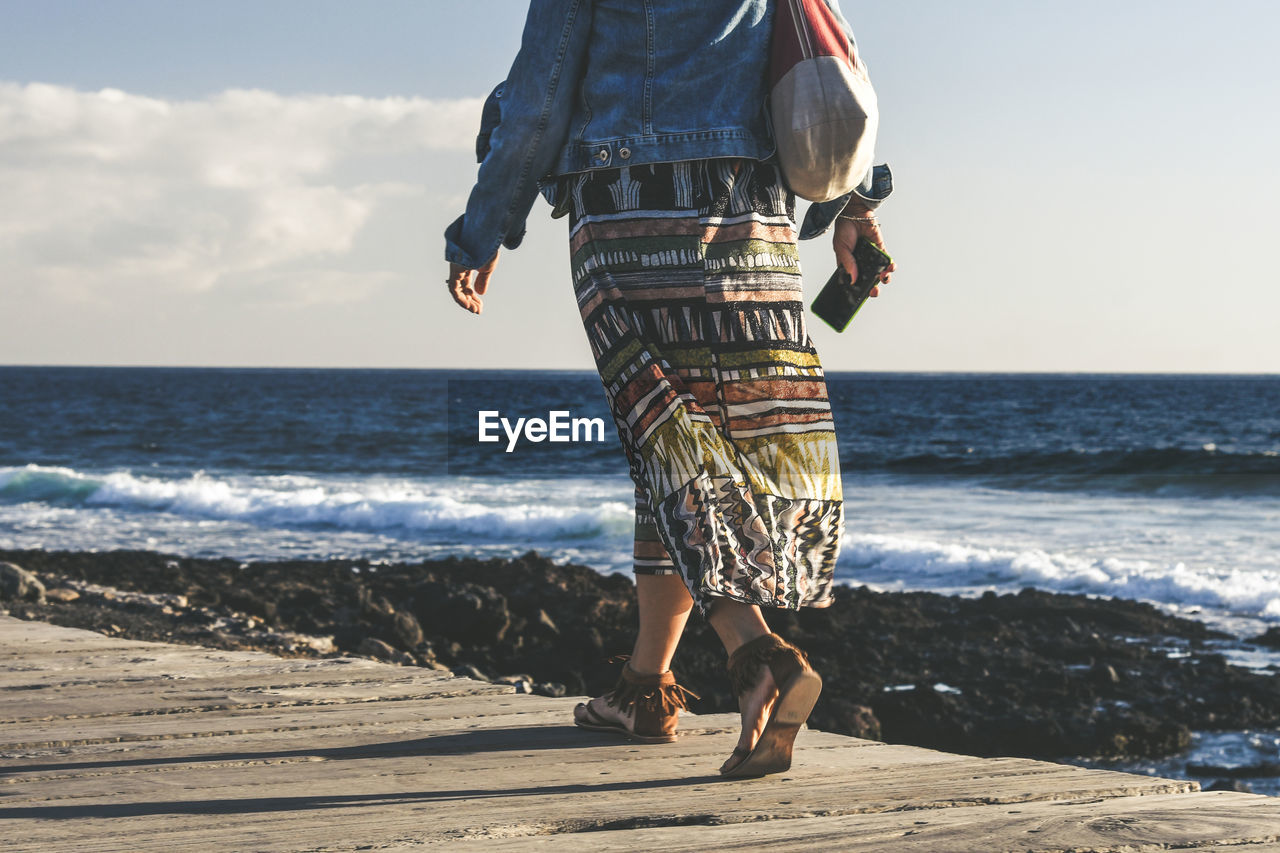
[440, 511]
[908, 563]
[1199, 555]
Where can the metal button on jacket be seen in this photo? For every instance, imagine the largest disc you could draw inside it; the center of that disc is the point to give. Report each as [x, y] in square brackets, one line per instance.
[624, 153]
[603, 156]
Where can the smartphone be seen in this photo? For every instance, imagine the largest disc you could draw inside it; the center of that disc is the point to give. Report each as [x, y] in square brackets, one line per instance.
[841, 297]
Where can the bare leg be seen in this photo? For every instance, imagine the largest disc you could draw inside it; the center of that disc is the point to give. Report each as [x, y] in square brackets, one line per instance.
[665, 605]
[736, 623]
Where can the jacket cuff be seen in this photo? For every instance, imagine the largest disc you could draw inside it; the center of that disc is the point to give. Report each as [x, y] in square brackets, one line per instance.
[874, 189]
[453, 251]
[455, 254]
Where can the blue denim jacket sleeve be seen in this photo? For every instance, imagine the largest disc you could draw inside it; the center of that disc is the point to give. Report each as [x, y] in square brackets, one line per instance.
[875, 188]
[523, 128]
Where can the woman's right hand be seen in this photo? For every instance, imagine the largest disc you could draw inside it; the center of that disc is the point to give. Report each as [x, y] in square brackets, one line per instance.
[847, 232]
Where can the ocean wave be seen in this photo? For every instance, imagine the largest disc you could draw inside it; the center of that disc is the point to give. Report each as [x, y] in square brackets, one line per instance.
[1209, 470]
[590, 520]
[383, 506]
[907, 563]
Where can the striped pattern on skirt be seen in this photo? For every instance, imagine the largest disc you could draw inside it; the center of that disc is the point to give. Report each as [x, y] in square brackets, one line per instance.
[688, 282]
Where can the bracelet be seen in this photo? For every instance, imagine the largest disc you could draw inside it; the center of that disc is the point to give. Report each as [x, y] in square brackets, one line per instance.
[871, 218]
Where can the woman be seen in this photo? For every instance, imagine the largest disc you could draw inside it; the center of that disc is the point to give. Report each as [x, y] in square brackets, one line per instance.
[645, 121]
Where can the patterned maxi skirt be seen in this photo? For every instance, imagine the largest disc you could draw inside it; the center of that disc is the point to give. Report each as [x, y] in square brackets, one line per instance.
[688, 283]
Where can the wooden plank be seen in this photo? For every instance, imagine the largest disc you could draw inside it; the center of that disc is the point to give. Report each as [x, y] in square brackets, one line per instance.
[321, 727]
[176, 695]
[294, 819]
[87, 666]
[1132, 825]
[471, 782]
[30, 628]
[12, 647]
[194, 672]
[461, 746]
[75, 732]
[25, 644]
[388, 761]
[349, 728]
[146, 678]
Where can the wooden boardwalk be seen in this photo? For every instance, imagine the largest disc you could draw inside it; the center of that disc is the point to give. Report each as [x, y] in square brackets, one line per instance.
[115, 745]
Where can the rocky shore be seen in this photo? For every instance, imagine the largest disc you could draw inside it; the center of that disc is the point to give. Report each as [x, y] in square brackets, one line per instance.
[1033, 674]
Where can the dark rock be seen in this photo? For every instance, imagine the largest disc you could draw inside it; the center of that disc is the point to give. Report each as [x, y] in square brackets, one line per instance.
[547, 622]
[244, 601]
[513, 679]
[1229, 785]
[378, 608]
[848, 718]
[348, 636]
[467, 612]
[201, 597]
[1270, 638]
[1262, 769]
[1140, 734]
[375, 648]
[1033, 674]
[426, 653]
[1105, 674]
[406, 628]
[466, 670]
[18, 584]
[549, 688]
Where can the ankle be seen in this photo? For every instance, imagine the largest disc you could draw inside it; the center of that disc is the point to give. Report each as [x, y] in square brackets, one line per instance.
[734, 637]
[737, 624]
[647, 667]
[631, 675]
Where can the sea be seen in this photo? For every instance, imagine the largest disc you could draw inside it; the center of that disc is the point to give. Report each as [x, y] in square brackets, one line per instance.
[1161, 488]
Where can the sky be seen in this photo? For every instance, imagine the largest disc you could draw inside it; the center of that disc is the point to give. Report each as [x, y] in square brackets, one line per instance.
[1085, 186]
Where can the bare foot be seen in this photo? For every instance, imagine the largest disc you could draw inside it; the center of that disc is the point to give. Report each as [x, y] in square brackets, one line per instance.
[756, 705]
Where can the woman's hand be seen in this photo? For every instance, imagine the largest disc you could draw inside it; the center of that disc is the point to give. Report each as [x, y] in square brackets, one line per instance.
[467, 286]
[847, 232]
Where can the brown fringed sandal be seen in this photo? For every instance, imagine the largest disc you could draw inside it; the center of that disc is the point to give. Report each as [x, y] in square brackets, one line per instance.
[648, 704]
[798, 689]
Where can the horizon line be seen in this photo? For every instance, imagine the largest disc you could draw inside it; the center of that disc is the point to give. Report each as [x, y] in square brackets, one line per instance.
[592, 370]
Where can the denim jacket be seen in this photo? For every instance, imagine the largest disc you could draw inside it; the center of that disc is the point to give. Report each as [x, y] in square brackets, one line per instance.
[606, 83]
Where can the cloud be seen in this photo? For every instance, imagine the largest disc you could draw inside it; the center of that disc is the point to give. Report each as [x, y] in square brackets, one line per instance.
[107, 190]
